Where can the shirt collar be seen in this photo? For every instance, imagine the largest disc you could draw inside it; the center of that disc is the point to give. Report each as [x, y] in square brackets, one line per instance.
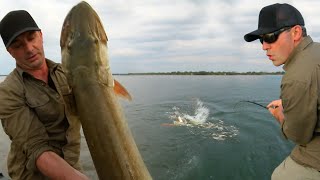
[301, 46]
[51, 65]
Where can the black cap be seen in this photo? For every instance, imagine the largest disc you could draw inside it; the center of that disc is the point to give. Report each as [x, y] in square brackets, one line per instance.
[15, 23]
[275, 17]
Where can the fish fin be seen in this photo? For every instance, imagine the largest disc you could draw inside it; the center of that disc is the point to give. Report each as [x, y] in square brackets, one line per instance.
[121, 91]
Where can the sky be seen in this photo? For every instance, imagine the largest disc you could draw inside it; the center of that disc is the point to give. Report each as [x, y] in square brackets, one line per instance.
[166, 35]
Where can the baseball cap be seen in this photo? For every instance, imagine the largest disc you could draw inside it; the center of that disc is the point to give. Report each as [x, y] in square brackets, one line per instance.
[15, 23]
[275, 17]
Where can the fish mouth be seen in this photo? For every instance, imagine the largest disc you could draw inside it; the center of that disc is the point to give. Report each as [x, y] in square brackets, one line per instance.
[83, 43]
[82, 22]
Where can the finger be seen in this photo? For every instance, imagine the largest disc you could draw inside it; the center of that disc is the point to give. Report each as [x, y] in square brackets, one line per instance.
[272, 103]
[268, 106]
[272, 106]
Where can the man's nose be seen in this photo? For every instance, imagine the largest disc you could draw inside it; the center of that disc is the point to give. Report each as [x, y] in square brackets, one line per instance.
[265, 45]
[28, 46]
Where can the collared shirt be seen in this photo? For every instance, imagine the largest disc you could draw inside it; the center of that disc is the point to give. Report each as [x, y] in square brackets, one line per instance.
[38, 118]
[300, 90]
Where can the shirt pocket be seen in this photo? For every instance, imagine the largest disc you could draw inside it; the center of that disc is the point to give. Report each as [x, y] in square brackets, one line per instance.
[47, 110]
[38, 101]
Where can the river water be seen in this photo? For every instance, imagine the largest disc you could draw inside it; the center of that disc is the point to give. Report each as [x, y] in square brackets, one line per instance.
[218, 136]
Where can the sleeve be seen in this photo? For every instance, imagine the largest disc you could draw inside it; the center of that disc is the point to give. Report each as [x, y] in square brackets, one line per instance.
[22, 126]
[299, 100]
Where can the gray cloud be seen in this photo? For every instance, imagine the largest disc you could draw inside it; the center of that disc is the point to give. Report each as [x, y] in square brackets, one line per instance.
[165, 35]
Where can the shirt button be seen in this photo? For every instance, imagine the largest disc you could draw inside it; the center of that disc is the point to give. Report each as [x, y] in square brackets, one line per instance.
[58, 96]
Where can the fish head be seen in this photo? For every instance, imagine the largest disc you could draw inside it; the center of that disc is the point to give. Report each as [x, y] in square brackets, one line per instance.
[83, 42]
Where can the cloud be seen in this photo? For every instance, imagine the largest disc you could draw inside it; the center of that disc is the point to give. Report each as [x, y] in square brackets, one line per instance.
[166, 35]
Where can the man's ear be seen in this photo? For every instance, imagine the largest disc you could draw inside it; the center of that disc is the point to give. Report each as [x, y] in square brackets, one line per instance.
[9, 51]
[297, 33]
[40, 34]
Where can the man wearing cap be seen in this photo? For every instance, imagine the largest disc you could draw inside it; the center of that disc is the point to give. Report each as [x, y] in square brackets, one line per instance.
[36, 107]
[283, 36]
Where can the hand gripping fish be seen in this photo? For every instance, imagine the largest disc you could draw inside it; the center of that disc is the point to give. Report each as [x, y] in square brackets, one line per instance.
[85, 60]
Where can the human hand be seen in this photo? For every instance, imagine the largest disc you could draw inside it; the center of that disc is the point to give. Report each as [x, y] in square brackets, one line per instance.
[80, 176]
[53, 166]
[276, 109]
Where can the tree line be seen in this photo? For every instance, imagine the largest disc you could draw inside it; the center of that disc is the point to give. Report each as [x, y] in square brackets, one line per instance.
[207, 73]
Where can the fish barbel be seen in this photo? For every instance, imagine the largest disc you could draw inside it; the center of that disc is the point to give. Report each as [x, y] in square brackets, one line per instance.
[85, 60]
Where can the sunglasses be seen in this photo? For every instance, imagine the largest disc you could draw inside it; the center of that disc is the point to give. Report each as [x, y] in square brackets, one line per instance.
[272, 37]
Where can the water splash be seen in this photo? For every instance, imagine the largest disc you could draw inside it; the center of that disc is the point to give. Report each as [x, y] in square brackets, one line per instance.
[200, 115]
[198, 120]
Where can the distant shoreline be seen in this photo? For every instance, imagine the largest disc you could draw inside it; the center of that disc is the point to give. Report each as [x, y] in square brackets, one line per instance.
[204, 73]
[200, 73]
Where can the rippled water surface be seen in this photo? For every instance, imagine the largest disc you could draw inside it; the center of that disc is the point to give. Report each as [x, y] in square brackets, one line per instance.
[195, 127]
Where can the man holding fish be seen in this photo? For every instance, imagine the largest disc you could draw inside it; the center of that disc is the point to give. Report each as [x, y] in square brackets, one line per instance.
[42, 103]
[37, 109]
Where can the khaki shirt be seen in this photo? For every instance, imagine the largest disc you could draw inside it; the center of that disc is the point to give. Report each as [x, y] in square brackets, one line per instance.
[38, 118]
[300, 90]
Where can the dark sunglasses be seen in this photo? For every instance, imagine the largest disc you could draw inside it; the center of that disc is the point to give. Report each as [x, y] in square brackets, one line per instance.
[272, 37]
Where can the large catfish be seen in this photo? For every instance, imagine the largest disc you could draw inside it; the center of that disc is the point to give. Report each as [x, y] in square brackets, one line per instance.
[85, 60]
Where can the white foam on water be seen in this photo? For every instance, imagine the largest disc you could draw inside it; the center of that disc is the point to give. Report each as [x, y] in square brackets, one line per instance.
[215, 129]
[200, 115]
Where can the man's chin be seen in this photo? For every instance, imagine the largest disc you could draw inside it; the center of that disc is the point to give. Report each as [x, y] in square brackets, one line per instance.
[275, 63]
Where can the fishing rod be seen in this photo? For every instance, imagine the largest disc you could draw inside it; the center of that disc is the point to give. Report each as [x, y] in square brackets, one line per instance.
[252, 102]
[265, 107]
